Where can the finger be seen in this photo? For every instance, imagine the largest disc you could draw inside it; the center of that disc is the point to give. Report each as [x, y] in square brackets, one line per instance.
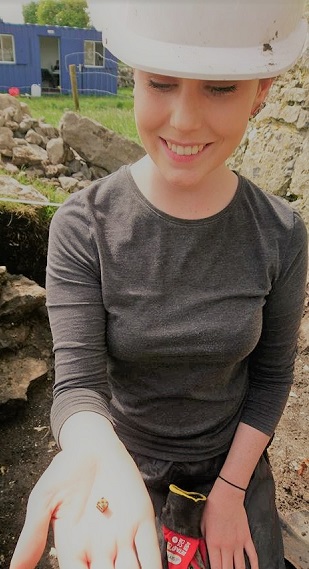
[126, 558]
[214, 555]
[32, 540]
[68, 561]
[147, 546]
[239, 559]
[102, 563]
[101, 558]
[252, 555]
[227, 559]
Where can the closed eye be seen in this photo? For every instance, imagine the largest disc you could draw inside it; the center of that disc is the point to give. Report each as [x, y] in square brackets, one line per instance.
[220, 90]
[160, 86]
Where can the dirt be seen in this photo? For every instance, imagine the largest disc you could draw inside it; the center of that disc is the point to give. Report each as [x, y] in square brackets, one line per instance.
[27, 447]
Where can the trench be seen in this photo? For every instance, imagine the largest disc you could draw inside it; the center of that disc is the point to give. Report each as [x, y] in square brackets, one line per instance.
[24, 240]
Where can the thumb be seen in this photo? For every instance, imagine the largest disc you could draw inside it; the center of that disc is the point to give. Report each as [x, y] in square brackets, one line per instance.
[33, 537]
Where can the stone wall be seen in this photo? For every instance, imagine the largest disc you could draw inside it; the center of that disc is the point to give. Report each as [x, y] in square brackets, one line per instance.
[275, 150]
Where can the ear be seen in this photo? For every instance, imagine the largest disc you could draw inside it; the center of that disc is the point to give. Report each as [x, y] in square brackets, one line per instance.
[264, 86]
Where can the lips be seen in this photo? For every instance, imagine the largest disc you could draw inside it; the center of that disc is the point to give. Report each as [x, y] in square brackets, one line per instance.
[185, 150]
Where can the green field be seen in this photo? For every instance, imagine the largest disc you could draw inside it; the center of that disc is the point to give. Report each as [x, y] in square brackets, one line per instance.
[114, 112]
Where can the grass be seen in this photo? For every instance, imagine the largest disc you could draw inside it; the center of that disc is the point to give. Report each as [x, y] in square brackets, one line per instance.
[113, 111]
[43, 213]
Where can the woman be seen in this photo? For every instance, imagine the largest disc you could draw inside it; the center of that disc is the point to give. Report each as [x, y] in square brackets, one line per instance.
[175, 289]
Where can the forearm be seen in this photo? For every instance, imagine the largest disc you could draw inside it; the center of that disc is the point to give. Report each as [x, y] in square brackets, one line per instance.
[244, 454]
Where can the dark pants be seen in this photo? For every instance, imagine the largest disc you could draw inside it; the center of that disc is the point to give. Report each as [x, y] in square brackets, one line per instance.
[199, 477]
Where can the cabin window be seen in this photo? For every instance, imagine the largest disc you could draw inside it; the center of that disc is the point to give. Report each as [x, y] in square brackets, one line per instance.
[94, 55]
[7, 49]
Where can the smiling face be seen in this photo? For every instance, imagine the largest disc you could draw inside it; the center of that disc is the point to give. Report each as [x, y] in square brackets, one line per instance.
[190, 127]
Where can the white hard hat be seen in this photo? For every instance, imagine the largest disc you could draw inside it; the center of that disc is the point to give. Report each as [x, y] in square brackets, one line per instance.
[206, 39]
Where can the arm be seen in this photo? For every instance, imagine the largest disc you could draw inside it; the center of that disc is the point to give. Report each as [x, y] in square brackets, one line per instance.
[93, 463]
[225, 523]
[77, 315]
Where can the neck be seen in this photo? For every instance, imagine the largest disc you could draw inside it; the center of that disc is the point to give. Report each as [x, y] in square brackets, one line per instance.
[205, 199]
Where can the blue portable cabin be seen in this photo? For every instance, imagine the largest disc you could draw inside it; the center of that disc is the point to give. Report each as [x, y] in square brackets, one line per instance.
[31, 54]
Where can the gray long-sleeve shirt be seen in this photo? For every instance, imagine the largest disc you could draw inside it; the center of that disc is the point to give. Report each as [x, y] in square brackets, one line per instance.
[174, 329]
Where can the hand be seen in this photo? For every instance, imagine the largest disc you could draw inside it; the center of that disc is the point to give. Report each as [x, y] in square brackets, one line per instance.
[225, 528]
[124, 536]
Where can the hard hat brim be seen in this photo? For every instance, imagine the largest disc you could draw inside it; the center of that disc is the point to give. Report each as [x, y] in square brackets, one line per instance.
[194, 62]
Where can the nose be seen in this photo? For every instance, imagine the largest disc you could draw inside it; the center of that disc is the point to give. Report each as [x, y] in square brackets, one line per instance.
[186, 113]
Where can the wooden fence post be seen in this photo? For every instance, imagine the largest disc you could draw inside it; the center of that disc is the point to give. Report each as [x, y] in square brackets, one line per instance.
[72, 71]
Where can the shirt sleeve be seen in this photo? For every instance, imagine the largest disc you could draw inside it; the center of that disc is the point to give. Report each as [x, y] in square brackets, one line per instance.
[77, 316]
[271, 364]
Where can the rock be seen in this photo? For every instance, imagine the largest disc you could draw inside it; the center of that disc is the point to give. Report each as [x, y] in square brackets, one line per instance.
[34, 138]
[12, 125]
[97, 172]
[9, 187]
[55, 170]
[24, 108]
[7, 141]
[46, 130]
[56, 151]
[68, 184]
[29, 155]
[13, 336]
[25, 339]
[20, 141]
[27, 123]
[33, 173]
[82, 184]
[10, 168]
[300, 174]
[303, 120]
[19, 297]
[295, 95]
[9, 102]
[17, 373]
[74, 166]
[97, 144]
[270, 151]
[290, 114]
[3, 277]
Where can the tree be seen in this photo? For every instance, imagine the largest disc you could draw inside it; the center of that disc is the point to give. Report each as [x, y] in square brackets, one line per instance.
[30, 13]
[72, 13]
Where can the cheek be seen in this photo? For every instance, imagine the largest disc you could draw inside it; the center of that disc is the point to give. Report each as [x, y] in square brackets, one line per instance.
[231, 120]
[143, 116]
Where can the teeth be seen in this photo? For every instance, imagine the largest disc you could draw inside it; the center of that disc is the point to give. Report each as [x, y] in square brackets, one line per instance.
[185, 150]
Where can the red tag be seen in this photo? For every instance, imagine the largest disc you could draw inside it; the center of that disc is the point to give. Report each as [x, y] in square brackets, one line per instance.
[180, 548]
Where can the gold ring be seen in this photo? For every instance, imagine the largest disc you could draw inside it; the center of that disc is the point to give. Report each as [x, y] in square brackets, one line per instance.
[102, 505]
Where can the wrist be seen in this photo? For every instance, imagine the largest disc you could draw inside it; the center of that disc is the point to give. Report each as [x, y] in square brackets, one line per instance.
[89, 433]
[225, 492]
[233, 484]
